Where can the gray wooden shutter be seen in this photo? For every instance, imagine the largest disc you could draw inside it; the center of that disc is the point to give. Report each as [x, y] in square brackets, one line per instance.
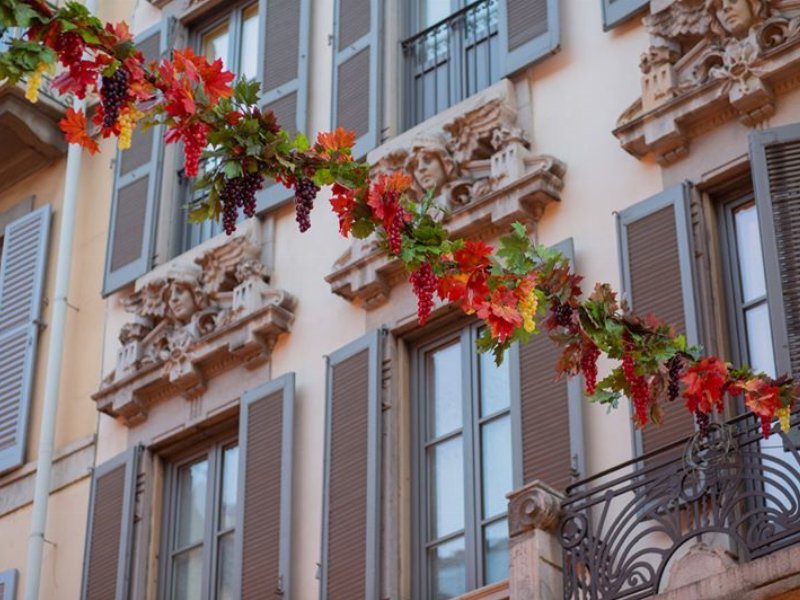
[550, 410]
[283, 66]
[657, 278]
[107, 558]
[263, 534]
[529, 30]
[351, 502]
[8, 585]
[775, 157]
[357, 82]
[22, 272]
[617, 11]
[137, 186]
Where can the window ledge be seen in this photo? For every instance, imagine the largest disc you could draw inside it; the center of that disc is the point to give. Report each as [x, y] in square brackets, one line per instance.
[193, 321]
[496, 591]
[478, 161]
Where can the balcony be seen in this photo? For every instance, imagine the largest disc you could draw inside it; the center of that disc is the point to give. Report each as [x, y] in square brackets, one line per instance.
[30, 133]
[451, 60]
[695, 514]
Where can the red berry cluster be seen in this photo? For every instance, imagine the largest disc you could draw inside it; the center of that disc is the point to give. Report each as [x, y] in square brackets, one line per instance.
[424, 283]
[766, 425]
[305, 192]
[69, 46]
[589, 357]
[195, 139]
[640, 391]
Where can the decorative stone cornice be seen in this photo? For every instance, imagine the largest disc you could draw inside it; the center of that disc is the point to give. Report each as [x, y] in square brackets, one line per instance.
[533, 506]
[192, 321]
[706, 64]
[479, 163]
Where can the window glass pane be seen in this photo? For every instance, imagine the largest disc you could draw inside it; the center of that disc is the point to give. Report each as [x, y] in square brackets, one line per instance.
[759, 339]
[495, 386]
[191, 503]
[227, 510]
[448, 571]
[445, 396]
[447, 487]
[433, 11]
[215, 44]
[496, 465]
[248, 63]
[188, 575]
[225, 568]
[748, 244]
[495, 552]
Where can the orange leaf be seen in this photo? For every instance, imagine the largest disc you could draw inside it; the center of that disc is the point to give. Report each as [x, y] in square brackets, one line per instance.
[74, 127]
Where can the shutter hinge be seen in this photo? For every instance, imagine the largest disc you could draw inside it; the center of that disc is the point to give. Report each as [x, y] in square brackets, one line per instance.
[39, 323]
[330, 39]
[318, 574]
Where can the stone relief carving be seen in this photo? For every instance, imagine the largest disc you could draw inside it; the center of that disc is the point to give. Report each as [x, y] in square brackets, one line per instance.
[194, 321]
[708, 61]
[481, 169]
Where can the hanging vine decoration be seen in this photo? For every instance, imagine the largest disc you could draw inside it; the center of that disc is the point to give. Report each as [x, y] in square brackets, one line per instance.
[516, 289]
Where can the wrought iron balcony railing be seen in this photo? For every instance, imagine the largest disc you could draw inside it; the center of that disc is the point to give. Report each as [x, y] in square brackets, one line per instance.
[620, 528]
[451, 60]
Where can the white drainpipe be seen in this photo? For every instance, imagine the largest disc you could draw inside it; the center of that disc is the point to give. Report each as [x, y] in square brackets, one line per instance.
[55, 353]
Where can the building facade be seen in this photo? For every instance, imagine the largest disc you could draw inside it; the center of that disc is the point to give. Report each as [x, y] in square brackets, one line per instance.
[273, 422]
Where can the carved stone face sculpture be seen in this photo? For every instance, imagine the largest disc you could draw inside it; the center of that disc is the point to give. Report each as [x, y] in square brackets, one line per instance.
[430, 163]
[736, 17]
[181, 302]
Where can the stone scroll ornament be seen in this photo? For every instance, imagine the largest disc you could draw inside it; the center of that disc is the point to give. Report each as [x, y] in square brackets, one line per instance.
[516, 289]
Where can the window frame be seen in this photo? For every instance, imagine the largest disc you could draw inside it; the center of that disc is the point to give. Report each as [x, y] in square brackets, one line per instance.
[465, 335]
[212, 449]
[233, 14]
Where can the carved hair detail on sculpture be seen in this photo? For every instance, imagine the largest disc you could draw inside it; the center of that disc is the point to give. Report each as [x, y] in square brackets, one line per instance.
[736, 17]
[430, 163]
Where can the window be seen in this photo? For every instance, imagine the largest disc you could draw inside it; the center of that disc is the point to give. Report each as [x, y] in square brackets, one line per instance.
[200, 513]
[465, 466]
[233, 37]
[453, 52]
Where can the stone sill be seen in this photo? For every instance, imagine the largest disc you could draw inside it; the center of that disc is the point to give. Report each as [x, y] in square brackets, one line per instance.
[495, 591]
[774, 576]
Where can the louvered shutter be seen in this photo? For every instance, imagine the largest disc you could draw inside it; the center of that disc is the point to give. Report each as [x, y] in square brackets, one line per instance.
[357, 82]
[22, 272]
[137, 186]
[617, 11]
[550, 418]
[8, 585]
[775, 156]
[283, 64]
[351, 503]
[657, 278]
[528, 30]
[265, 490]
[107, 558]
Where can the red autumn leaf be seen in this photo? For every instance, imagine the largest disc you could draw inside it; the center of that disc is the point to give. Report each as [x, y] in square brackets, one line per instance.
[74, 127]
[343, 202]
[501, 313]
[705, 385]
[761, 396]
[120, 31]
[186, 63]
[216, 80]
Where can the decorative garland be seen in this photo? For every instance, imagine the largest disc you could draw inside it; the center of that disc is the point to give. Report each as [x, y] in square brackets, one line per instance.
[516, 289]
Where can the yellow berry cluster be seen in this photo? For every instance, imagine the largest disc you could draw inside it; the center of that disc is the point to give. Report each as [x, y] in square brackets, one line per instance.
[784, 416]
[127, 121]
[35, 82]
[527, 308]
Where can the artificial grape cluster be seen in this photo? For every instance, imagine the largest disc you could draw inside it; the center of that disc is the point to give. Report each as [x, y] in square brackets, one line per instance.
[766, 425]
[127, 121]
[563, 313]
[69, 46]
[195, 139]
[395, 234]
[239, 192]
[34, 83]
[589, 358]
[305, 192]
[674, 365]
[114, 95]
[424, 283]
[640, 391]
[703, 421]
